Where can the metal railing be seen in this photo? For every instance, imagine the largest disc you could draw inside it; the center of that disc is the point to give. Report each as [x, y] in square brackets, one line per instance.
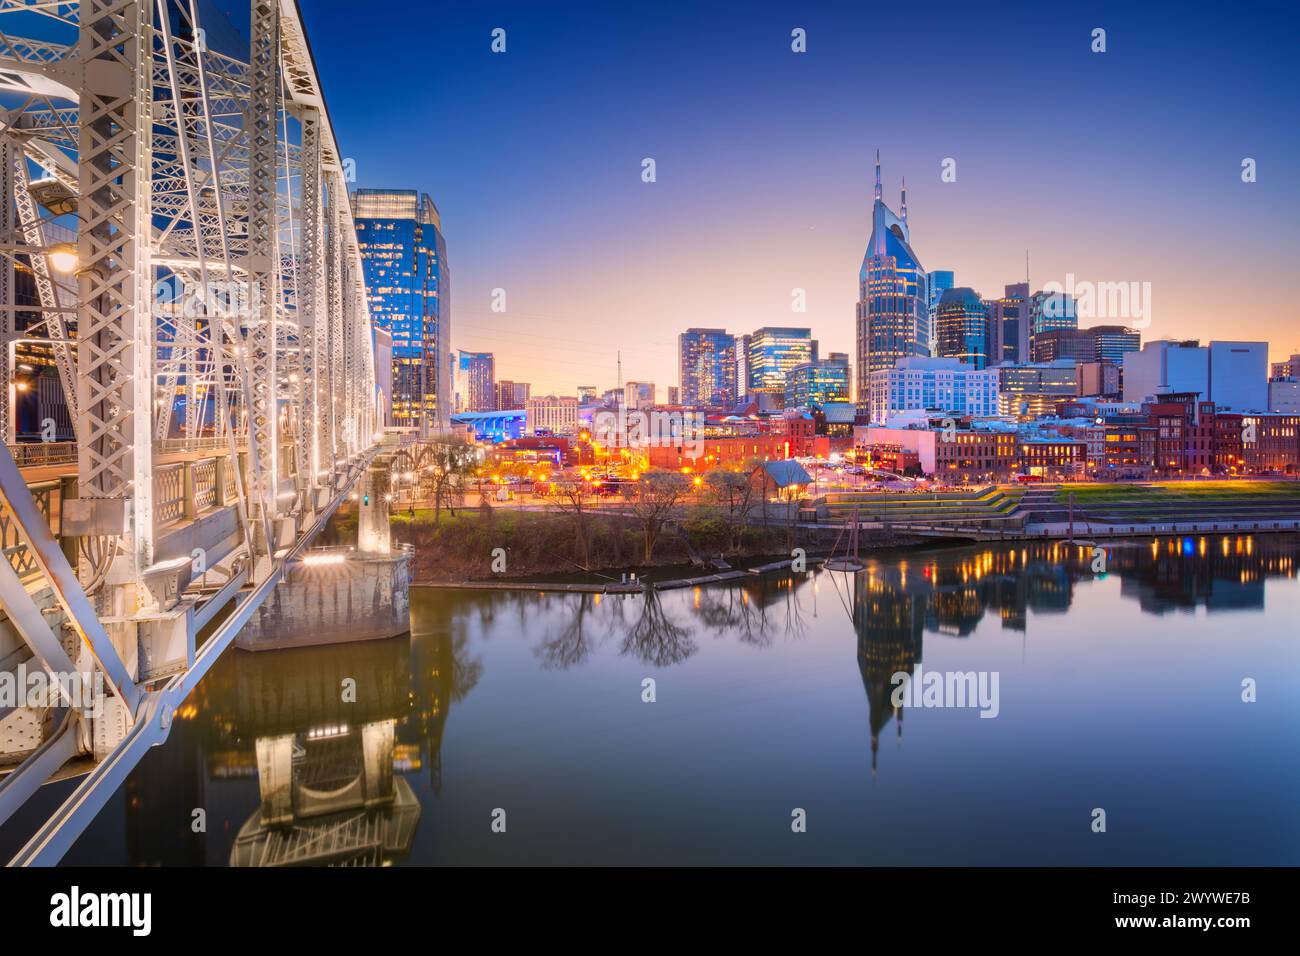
[186, 489]
[48, 496]
[30, 454]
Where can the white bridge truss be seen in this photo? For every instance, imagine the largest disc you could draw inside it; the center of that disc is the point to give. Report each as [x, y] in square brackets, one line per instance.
[216, 304]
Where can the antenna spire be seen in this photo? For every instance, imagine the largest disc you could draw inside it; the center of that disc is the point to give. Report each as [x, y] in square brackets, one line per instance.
[879, 195]
[903, 208]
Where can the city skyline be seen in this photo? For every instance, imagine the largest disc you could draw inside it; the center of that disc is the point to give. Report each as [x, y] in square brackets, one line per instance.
[746, 208]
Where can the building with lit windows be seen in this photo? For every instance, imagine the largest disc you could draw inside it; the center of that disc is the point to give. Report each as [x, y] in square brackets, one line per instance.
[937, 283]
[1077, 345]
[773, 351]
[893, 300]
[817, 384]
[551, 414]
[1048, 312]
[475, 381]
[941, 384]
[1008, 319]
[706, 362]
[742, 365]
[408, 290]
[1112, 342]
[1033, 389]
[512, 395]
[962, 327]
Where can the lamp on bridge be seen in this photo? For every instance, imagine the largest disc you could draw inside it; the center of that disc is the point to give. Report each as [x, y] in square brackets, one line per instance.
[63, 257]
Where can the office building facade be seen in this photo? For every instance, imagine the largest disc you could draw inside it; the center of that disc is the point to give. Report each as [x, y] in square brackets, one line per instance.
[940, 384]
[408, 291]
[821, 383]
[962, 327]
[706, 360]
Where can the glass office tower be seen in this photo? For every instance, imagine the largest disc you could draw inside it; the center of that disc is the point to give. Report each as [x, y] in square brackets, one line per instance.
[707, 367]
[963, 327]
[893, 319]
[408, 289]
[773, 351]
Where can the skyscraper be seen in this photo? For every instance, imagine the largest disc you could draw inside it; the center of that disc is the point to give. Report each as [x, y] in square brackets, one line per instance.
[511, 395]
[893, 302]
[1009, 325]
[408, 289]
[937, 283]
[773, 351]
[1114, 341]
[475, 381]
[707, 367]
[742, 365]
[962, 327]
[1050, 312]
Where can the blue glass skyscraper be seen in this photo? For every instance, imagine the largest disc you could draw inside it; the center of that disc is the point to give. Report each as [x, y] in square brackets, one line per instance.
[893, 303]
[408, 289]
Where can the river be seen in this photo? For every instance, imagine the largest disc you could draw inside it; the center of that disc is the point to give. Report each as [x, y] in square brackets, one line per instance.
[516, 727]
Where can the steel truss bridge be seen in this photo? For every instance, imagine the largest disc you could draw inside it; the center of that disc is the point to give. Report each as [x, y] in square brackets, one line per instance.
[176, 240]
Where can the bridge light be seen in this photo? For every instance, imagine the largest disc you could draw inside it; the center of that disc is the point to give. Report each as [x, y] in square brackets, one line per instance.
[63, 257]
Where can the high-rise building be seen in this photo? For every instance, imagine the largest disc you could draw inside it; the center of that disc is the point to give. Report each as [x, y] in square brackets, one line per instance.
[1113, 342]
[773, 351]
[1009, 325]
[893, 301]
[1077, 344]
[475, 381]
[818, 384]
[408, 289]
[939, 384]
[707, 367]
[675, 392]
[937, 283]
[512, 395]
[1049, 312]
[742, 365]
[962, 327]
[587, 394]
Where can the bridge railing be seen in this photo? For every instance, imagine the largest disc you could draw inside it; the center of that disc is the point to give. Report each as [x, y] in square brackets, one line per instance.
[31, 454]
[186, 489]
[48, 496]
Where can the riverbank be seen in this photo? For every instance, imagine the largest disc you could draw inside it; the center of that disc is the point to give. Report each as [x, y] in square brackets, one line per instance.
[539, 549]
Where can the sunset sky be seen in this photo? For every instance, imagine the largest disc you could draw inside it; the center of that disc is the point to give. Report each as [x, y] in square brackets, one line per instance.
[1119, 166]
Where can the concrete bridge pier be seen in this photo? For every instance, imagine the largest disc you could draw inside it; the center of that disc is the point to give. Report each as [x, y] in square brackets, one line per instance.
[339, 595]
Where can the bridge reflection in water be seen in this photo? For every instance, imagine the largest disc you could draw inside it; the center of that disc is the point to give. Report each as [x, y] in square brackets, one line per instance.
[333, 780]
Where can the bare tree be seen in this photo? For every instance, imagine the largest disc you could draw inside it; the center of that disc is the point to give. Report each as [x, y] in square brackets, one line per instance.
[734, 491]
[575, 497]
[652, 501]
[447, 463]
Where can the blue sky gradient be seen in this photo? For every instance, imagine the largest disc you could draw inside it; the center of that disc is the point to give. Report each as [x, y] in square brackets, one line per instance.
[1117, 166]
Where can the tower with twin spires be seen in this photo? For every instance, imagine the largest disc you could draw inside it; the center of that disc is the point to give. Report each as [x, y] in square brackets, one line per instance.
[893, 316]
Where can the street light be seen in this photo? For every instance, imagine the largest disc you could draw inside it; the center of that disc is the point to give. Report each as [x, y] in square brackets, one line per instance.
[63, 257]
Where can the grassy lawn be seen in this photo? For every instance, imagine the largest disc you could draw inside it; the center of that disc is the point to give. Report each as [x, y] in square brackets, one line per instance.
[1182, 491]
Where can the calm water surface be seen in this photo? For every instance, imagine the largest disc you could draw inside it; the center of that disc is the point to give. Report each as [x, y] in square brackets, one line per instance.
[1121, 691]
